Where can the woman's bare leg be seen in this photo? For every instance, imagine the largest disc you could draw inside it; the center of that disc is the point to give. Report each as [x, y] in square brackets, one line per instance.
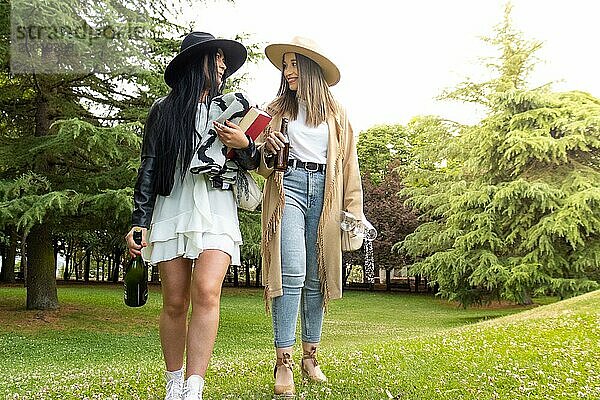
[175, 276]
[207, 279]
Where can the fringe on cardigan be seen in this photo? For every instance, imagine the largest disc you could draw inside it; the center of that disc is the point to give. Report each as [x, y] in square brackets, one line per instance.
[325, 216]
[268, 233]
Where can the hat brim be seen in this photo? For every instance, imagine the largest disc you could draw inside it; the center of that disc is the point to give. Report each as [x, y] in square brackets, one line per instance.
[276, 51]
[235, 56]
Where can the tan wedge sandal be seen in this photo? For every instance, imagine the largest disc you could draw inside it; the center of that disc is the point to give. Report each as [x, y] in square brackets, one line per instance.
[287, 390]
[317, 375]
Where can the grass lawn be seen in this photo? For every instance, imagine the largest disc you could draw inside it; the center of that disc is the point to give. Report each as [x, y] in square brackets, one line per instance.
[375, 346]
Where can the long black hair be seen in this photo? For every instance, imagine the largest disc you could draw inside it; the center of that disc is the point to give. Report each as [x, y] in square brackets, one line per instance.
[173, 129]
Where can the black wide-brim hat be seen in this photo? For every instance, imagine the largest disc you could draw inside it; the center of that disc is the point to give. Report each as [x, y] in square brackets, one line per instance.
[197, 43]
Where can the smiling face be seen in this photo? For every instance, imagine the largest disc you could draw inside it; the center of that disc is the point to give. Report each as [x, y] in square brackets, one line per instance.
[221, 67]
[290, 70]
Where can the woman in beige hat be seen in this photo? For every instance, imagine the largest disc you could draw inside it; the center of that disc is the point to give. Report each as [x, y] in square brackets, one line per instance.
[301, 240]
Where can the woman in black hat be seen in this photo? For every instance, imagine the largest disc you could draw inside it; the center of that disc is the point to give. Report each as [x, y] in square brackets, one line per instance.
[189, 227]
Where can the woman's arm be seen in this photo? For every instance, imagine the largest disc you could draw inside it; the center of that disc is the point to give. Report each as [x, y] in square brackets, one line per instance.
[267, 159]
[249, 157]
[244, 148]
[144, 194]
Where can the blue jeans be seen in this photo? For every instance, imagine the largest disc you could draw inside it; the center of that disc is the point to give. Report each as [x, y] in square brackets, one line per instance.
[299, 267]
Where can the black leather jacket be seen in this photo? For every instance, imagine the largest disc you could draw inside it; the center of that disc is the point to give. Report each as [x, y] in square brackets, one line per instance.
[144, 194]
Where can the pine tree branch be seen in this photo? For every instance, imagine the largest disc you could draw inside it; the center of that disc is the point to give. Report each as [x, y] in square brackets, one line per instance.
[69, 82]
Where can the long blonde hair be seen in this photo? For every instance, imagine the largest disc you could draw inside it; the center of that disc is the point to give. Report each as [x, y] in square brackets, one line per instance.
[312, 89]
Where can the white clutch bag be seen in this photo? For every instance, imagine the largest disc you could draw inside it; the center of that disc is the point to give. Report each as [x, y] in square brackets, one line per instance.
[246, 191]
[350, 241]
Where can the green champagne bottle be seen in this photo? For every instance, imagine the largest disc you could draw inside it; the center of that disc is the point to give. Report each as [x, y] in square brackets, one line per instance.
[136, 278]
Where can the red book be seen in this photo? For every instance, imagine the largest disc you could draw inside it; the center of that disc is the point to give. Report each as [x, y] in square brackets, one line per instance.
[253, 123]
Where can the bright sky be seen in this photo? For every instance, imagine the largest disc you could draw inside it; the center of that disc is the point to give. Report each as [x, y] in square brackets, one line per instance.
[395, 57]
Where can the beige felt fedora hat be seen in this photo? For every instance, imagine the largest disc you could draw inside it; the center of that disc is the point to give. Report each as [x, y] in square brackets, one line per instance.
[308, 48]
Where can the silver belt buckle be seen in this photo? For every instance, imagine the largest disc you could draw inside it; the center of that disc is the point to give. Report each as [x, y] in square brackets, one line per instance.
[311, 170]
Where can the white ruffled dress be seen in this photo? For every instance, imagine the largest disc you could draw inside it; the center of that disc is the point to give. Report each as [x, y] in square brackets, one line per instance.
[193, 218]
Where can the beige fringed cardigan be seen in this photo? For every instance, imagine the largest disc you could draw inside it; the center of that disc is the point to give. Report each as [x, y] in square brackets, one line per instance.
[343, 191]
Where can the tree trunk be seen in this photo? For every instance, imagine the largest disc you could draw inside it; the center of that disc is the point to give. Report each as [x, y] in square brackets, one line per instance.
[3, 252]
[8, 261]
[41, 276]
[111, 261]
[388, 279]
[258, 274]
[236, 280]
[56, 250]
[527, 299]
[68, 252]
[117, 262]
[247, 266]
[23, 266]
[155, 274]
[76, 266]
[86, 268]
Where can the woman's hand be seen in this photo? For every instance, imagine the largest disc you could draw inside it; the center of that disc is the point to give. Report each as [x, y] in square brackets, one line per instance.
[135, 249]
[231, 135]
[274, 141]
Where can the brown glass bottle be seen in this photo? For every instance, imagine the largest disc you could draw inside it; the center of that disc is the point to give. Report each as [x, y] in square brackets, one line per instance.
[281, 159]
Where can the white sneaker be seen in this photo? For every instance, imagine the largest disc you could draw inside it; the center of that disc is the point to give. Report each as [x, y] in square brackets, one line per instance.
[192, 390]
[174, 389]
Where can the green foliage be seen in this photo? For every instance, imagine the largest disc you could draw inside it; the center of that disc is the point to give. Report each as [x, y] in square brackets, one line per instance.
[378, 146]
[250, 227]
[81, 166]
[385, 209]
[70, 127]
[255, 54]
[383, 151]
[70, 141]
[514, 61]
[419, 348]
[514, 206]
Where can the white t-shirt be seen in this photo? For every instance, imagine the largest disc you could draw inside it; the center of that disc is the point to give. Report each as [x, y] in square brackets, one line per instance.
[307, 143]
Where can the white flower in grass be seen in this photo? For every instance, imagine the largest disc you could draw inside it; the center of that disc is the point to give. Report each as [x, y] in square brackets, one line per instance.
[326, 390]
[525, 389]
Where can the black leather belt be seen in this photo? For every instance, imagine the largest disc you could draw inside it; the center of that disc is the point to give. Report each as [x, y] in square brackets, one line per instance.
[307, 166]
